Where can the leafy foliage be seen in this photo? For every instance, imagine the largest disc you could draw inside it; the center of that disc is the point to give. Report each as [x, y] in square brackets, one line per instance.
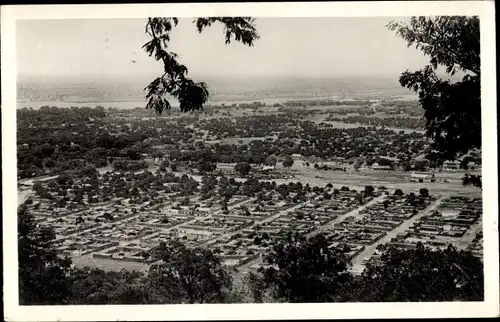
[243, 168]
[270, 161]
[452, 109]
[42, 274]
[424, 192]
[193, 275]
[190, 94]
[423, 275]
[288, 162]
[95, 286]
[398, 192]
[206, 166]
[450, 41]
[305, 270]
[472, 180]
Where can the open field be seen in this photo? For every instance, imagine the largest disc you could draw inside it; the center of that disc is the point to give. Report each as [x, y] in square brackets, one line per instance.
[107, 264]
[391, 180]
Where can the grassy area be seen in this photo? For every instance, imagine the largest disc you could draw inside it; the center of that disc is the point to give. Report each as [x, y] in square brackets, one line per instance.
[392, 180]
[107, 264]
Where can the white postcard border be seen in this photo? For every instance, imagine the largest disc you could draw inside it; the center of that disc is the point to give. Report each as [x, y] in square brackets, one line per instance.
[490, 307]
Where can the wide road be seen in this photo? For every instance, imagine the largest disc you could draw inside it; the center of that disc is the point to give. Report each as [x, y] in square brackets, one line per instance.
[368, 251]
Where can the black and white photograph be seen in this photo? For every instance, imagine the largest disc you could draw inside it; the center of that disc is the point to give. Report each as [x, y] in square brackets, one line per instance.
[249, 154]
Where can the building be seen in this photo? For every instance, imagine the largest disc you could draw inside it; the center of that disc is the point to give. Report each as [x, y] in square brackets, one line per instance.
[268, 168]
[297, 156]
[150, 161]
[379, 167]
[422, 177]
[194, 232]
[449, 165]
[226, 168]
[159, 160]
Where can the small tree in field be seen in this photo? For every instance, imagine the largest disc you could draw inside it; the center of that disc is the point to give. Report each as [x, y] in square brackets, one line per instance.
[288, 162]
[398, 192]
[243, 168]
[424, 192]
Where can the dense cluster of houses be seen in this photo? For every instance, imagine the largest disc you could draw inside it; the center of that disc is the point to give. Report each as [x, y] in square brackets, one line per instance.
[245, 229]
[374, 222]
[452, 219]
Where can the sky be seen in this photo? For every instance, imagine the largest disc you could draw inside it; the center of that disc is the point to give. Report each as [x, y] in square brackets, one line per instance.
[297, 47]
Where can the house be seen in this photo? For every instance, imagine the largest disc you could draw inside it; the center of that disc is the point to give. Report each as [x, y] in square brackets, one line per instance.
[226, 168]
[192, 232]
[449, 165]
[149, 161]
[297, 156]
[422, 177]
[379, 167]
[268, 168]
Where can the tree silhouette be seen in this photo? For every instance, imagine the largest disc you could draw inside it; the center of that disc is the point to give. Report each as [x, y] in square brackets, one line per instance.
[398, 192]
[305, 270]
[174, 81]
[452, 109]
[96, 286]
[422, 274]
[42, 274]
[424, 192]
[196, 275]
[243, 168]
[288, 162]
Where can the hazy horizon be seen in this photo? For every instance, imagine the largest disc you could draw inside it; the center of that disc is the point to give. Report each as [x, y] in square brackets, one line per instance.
[289, 47]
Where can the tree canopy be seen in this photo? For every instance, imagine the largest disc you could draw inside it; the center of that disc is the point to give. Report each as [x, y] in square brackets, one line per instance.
[305, 270]
[174, 81]
[422, 274]
[42, 274]
[452, 109]
[195, 274]
[243, 168]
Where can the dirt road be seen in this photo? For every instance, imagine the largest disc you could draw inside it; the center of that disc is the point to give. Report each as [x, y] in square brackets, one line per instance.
[368, 251]
[469, 235]
[354, 212]
[110, 264]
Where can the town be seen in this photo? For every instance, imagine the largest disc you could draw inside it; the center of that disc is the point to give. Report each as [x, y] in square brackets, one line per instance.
[254, 181]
